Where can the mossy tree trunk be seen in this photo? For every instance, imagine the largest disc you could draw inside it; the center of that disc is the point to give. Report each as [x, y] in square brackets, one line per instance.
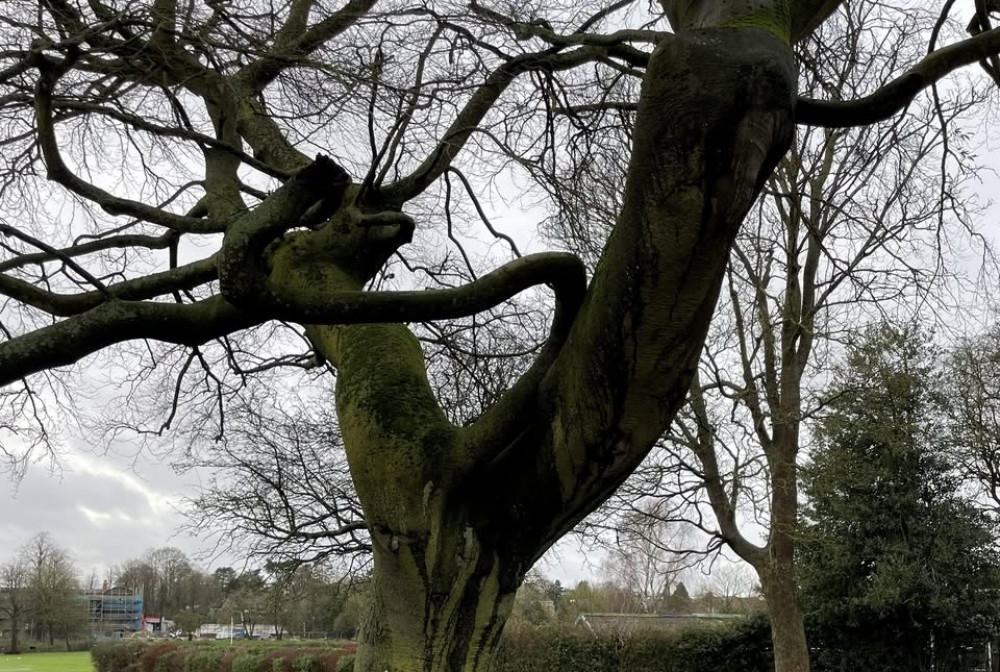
[459, 515]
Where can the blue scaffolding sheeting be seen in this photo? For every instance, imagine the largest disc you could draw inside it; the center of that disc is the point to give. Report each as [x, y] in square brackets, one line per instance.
[114, 612]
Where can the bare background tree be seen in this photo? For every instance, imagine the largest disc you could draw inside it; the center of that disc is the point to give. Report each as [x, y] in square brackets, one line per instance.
[973, 387]
[279, 490]
[15, 578]
[647, 562]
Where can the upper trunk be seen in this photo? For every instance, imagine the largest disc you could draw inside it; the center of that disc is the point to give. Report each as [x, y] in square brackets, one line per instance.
[714, 119]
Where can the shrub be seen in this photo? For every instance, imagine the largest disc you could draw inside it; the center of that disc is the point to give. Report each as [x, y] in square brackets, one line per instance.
[307, 662]
[557, 649]
[346, 664]
[742, 646]
[248, 661]
[328, 660]
[133, 656]
[280, 660]
[147, 663]
[117, 656]
[204, 660]
[226, 663]
[170, 661]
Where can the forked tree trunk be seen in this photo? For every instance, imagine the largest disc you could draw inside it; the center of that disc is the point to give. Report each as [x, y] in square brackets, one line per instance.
[459, 514]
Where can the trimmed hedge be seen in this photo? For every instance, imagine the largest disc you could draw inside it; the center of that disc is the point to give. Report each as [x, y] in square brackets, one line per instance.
[307, 662]
[149, 661]
[144, 656]
[204, 660]
[249, 661]
[733, 646]
[742, 646]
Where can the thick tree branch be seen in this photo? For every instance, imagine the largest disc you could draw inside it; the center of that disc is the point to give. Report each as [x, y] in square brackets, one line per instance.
[242, 276]
[897, 94]
[320, 305]
[114, 322]
[141, 288]
[263, 135]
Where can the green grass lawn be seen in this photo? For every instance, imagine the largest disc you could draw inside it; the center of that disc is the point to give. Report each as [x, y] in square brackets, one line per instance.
[47, 662]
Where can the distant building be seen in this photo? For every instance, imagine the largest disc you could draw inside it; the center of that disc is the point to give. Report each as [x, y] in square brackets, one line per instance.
[156, 625]
[624, 623]
[236, 631]
[114, 612]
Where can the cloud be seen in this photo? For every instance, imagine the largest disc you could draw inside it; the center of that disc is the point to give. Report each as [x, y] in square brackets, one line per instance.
[102, 509]
[159, 502]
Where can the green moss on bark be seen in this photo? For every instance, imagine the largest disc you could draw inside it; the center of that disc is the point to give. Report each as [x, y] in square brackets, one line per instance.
[776, 19]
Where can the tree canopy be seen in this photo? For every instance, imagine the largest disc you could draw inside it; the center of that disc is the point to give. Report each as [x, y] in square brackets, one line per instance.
[217, 198]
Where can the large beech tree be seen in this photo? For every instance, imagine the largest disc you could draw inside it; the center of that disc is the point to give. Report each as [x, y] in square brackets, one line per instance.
[396, 99]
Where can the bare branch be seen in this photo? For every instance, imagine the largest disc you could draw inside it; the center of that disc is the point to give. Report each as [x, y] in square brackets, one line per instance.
[59, 172]
[897, 94]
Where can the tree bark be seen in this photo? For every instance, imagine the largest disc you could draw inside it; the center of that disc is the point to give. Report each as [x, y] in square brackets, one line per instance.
[788, 635]
[429, 613]
[777, 573]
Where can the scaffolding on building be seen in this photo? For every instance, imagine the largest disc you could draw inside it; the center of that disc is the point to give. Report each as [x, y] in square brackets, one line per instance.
[114, 612]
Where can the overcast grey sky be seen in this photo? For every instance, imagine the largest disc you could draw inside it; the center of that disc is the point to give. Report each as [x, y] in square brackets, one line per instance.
[106, 509]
